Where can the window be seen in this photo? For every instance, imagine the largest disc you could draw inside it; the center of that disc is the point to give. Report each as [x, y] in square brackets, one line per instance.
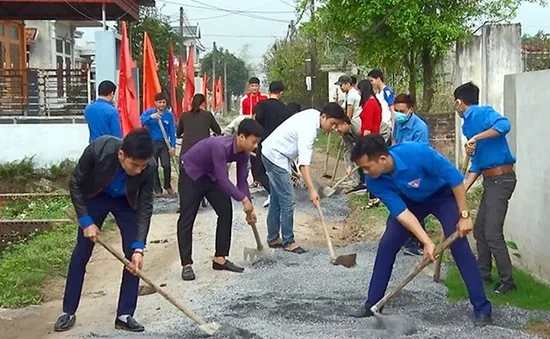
[15, 56]
[1, 30]
[68, 47]
[59, 46]
[13, 32]
[2, 55]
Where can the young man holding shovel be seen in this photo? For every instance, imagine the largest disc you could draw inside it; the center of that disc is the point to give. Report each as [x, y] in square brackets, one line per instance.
[293, 139]
[204, 173]
[150, 119]
[112, 176]
[413, 180]
[491, 157]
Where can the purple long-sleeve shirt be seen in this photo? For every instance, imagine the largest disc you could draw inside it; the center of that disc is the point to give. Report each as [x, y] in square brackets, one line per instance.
[210, 156]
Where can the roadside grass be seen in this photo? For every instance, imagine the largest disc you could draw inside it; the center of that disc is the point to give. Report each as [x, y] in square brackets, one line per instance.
[25, 176]
[28, 263]
[322, 140]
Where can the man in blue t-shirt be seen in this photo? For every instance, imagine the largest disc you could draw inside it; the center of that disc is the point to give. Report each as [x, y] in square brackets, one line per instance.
[101, 116]
[413, 180]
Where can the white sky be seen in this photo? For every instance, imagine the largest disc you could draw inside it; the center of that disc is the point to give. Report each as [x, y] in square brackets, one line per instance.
[235, 31]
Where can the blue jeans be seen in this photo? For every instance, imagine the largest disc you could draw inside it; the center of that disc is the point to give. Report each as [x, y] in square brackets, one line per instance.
[126, 218]
[441, 205]
[280, 216]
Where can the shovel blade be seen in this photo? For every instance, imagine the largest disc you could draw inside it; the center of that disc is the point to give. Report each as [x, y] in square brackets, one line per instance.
[346, 260]
[328, 191]
[209, 328]
[251, 254]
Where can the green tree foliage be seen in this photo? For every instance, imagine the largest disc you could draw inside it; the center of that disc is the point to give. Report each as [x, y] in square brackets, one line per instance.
[536, 49]
[285, 61]
[157, 26]
[237, 72]
[410, 34]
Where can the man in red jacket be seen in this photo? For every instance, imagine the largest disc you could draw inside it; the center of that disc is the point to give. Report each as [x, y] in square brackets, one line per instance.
[249, 101]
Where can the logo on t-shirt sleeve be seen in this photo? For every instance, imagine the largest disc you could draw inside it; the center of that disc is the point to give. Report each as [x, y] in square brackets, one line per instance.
[415, 183]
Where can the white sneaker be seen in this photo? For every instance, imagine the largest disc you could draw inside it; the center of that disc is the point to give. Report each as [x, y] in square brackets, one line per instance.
[266, 202]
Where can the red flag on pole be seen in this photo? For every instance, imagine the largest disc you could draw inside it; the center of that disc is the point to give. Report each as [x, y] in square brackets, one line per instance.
[173, 84]
[151, 83]
[189, 78]
[205, 87]
[127, 98]
[220, 98]
[181, 78]
[214, 96]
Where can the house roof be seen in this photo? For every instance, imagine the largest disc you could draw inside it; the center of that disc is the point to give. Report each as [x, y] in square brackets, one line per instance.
[71, 9]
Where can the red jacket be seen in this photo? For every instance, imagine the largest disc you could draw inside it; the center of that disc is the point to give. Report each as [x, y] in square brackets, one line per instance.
[371, 116]
[249, 102]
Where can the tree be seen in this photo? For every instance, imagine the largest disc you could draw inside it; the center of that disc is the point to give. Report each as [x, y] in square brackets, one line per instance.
[162, 35]
[237, 72]
[285, 61]
[536, 49]
[393, 34]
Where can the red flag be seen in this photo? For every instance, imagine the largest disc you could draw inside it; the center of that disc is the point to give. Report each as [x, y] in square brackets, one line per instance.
[181, 78]
[127, 99]
[151, 83]
[214, 96]
[205, 87]
[173, 84]
[189, 78]
[219, 94]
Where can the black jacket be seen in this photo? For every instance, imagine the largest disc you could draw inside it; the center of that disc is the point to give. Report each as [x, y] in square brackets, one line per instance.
[96, 169]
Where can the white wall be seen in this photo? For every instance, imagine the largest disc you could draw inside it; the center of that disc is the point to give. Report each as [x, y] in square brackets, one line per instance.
[41, 50]
[332, 88]
[49, 143]
[528, 215]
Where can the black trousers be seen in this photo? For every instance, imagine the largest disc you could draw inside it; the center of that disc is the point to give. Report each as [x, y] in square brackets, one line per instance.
[161, 152]
[191, 195]
[259, 172]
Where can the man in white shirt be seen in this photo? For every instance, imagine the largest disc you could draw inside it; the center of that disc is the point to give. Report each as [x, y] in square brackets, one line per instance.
[385, 96]
[352, 107]
[293, 139]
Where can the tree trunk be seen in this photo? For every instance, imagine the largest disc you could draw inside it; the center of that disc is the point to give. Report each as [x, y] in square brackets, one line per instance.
[428, 66]
[412, 74]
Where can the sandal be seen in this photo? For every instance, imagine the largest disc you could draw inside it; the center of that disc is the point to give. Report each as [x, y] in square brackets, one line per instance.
[297, 250]
[373, 203]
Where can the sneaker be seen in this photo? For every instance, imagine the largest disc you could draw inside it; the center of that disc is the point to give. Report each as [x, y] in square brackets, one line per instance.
[413, 251]
[501, 288]
[266, 202]
[483, 320]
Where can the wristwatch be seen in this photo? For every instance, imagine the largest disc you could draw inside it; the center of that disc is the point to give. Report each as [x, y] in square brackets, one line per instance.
[465, 214]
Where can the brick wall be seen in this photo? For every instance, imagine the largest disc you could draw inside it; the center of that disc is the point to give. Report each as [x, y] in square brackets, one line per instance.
[442, 132]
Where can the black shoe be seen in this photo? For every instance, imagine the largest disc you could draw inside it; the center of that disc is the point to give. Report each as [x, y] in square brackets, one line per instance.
[414, 250]
[131, 325]
[227, 266]
[501, 288]
[487, 280]
[357, 188]
[187, 273]
[64, 323]
[364, 312]
[483, 320]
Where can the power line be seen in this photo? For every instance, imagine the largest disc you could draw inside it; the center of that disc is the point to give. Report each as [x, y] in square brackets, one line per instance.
[287, 3]
[242, 36]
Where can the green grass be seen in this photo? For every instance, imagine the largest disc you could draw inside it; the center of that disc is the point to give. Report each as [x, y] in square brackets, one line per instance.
[27, 263]
[531, 294]
[322, 139]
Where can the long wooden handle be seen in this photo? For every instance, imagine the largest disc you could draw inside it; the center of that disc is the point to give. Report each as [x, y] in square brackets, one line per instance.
[167, 141]
[417, 269]
[338, 158]
[339, 182]
[327, 153]
[143, 277]
[437, 268]
[257, 237]
[325, 230]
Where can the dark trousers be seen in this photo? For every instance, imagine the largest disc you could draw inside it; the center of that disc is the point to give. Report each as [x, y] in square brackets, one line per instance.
[162, 157]
[126, 218]
[488, 228]
[258, 169]
[443, 206]
[192, 193]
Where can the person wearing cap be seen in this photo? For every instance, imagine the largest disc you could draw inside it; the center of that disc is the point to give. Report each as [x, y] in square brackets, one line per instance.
[294, 138]
[352, 108]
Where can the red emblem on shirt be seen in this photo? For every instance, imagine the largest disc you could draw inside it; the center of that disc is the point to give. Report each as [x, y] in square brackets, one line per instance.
[414, 183]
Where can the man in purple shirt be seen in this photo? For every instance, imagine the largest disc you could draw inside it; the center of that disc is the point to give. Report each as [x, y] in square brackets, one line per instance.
[204, 173]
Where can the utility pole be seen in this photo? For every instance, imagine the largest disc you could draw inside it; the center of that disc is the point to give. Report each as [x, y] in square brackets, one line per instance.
[224, 86]
[313, 52]
[183, 51]
[214, 72]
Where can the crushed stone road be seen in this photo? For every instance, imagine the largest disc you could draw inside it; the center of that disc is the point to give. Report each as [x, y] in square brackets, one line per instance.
[304, 296]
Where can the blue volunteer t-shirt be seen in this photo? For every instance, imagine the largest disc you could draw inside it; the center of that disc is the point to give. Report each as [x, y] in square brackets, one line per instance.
[419, 172]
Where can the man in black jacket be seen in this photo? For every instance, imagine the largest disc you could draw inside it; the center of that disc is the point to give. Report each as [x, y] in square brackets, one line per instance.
[116, 176]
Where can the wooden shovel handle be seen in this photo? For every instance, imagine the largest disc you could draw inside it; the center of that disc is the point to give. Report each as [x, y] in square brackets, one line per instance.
[143, 277]
[419, 267]
[339, 182]
[338, 158]
[257, 237]
[325, 230]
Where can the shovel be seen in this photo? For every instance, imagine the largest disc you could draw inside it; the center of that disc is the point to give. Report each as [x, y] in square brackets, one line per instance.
[338, 158]
[437, 268]
[328, 191]
[254, 254]
[166, 140]
[325, 174]
[208, 328]
[346, 260]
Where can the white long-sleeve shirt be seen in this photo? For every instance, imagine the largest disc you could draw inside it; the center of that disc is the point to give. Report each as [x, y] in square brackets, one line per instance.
[293, 138]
